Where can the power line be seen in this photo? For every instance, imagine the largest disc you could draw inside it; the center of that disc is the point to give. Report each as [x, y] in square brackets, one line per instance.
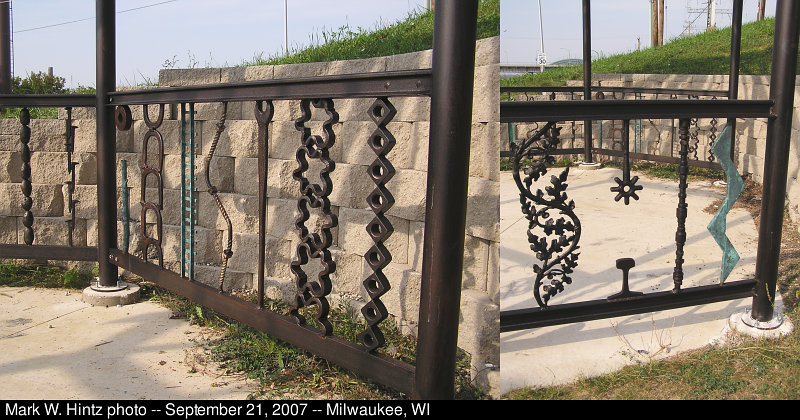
[90, 18]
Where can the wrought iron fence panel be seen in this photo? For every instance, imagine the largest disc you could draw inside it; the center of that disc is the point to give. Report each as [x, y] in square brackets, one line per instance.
[28, 248]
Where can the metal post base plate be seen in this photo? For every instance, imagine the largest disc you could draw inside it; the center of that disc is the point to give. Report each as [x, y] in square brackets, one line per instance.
[96, 286]
[778, 326]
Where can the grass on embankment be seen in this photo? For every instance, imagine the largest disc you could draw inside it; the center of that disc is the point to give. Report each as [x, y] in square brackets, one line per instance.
[707, 53]
[415, 33]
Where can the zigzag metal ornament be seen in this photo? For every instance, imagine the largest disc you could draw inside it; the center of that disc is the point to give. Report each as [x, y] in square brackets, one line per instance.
[718, 225]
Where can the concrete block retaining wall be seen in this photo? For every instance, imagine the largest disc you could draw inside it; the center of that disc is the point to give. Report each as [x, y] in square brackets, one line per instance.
[234, 173]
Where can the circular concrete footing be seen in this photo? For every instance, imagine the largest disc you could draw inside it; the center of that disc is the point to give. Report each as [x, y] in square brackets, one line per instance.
[125, 294]
[779, 326]
[590, 166]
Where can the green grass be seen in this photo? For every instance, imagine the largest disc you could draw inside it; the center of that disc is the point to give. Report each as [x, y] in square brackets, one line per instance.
[415, 33]
[670, 171]
[507, 164]
[707, 53]
[753, 369]
[26, 275]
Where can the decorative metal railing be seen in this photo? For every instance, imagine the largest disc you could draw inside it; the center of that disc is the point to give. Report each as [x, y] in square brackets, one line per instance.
[313, 245]
[448, 84]
[28, 247]
[554, 231]
[612, 134]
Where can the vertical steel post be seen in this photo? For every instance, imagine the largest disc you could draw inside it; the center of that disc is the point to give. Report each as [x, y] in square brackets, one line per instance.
[776, 161]
[5, 47]
[587, 79]
[106, 141]
[733, 79]
[455, 23]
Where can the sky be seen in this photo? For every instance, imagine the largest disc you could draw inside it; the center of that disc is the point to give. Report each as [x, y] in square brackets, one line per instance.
[185, 33]
[617, 26]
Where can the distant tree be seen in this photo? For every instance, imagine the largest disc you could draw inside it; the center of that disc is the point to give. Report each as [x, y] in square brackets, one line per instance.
[39, 84]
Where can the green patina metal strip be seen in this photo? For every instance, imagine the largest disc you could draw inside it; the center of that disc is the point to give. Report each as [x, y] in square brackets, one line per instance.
[638, 130]
[126, 220]
[512, 135]
[718, 225]
[188, 199]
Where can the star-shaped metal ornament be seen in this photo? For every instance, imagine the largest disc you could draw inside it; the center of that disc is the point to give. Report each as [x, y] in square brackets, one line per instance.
[626, 188]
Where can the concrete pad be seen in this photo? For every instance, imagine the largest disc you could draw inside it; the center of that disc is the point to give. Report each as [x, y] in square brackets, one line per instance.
[590, 166]
[122, 294]
[644, 231]
[54, 346]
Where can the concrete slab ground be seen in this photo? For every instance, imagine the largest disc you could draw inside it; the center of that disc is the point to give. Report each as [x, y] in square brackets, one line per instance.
[54, 346]
[644, 231]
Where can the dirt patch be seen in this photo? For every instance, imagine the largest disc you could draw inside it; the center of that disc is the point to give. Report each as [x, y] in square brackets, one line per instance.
[750, 200]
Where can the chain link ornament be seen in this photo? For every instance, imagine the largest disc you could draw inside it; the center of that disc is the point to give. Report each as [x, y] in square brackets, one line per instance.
[314, 245]
[379, 229]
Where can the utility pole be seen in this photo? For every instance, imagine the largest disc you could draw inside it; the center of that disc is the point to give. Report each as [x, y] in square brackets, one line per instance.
[542, 57]
[654, 23]
[711, 22]
[285, 28]
[660, 22]
[657, 22]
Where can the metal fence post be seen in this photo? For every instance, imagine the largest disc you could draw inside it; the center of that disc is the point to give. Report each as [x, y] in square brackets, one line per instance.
[587, 78]
[446, 202]
[106, 142]
[733, 79]
[5, 48]
[776, 161]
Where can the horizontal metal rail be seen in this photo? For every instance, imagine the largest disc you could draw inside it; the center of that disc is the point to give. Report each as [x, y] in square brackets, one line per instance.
[619, 89]
[49, 252]
[362, 85]
[380, 368]
[522, 319]
[49, 101]
[542, 111]
[620, 153]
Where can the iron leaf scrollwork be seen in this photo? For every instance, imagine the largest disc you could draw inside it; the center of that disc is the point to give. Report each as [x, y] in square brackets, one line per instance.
[553, 228]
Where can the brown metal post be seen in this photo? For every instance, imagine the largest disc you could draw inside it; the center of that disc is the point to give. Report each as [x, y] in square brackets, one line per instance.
[587, 78]
[733, 79]
[776, 161]
[106, 142]
[455, 23]
[5, 48]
